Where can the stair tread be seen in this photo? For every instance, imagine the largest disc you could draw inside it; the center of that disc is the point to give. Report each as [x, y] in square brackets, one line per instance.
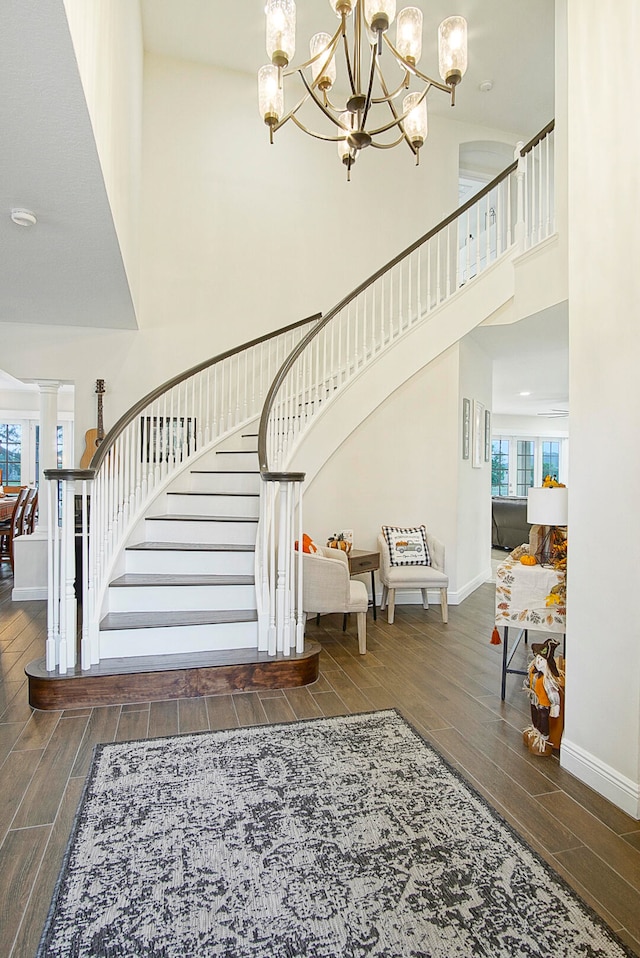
[161, 579]
[225, 472]
[190, 547]
[188, 518]
[246, 495]
[235, 452]
[154, 620]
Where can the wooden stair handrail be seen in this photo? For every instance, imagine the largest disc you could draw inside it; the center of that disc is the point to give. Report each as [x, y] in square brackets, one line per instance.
[106, 444]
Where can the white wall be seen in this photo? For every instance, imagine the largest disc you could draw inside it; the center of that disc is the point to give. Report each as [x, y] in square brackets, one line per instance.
[473, 493]
[107, 39]
[403, 466]
[601, 743]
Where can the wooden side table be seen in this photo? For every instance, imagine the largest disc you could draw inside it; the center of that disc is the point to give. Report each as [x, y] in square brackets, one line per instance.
[360, 560]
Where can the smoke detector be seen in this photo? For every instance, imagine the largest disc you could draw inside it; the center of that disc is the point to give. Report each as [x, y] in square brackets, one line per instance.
[23, 217]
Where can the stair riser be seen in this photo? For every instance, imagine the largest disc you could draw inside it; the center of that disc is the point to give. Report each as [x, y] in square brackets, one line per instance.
[217, 505]
[184, 563]
[179, 530]
[231, 482]
[230, 461]
[124, 643]
[181, 598]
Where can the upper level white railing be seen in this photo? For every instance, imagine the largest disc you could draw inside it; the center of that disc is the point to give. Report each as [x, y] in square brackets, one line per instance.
[136, 459]
[514, 211]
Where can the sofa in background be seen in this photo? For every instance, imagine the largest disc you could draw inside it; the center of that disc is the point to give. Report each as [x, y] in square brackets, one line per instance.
[509, 526]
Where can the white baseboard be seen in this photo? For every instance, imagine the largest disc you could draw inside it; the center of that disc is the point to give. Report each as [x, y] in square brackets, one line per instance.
[28, 595]
[598, 775]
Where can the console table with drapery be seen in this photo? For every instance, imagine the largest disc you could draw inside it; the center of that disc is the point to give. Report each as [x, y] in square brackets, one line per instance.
[528, 598]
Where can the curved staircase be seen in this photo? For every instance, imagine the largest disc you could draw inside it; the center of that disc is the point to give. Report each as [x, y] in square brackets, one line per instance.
[190, 583]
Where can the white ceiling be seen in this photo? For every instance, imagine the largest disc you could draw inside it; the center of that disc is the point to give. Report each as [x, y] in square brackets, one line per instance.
[530, 364]
[67, 270]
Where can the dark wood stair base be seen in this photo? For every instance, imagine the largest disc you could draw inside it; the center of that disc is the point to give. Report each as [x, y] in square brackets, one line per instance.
[155, 678]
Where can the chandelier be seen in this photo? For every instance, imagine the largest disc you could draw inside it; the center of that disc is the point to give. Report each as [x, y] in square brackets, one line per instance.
[372, 113]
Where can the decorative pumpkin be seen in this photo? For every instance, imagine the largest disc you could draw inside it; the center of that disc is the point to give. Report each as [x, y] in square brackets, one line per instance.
[528, 560]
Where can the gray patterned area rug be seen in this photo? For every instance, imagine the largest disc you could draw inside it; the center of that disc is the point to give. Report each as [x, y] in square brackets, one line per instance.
[343, 836]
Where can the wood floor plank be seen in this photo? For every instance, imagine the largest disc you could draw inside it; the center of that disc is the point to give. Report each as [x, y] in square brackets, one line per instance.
[192, 716]
[302, 702]
[40, 803]
[249, 708]
[17, 774]
[38, 730]
[620, 856]
[132, 726]
[616, 895]
[9, 734]
[221, 711]
[20, 857]
[278, 710]
[31, 928]
[101, 726]
[163, 718]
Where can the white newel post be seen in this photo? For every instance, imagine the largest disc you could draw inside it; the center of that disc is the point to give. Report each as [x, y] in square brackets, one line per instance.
[48, 447]
[300, 617]
[520, 227]
[281, 573]
[62, 604]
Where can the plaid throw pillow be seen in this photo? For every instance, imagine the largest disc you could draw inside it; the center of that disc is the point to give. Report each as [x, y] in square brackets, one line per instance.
[407, 545]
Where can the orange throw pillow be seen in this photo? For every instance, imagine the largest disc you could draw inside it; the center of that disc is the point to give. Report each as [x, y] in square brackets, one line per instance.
[308, 545]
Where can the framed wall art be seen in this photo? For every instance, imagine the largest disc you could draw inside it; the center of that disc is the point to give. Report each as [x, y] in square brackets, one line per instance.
[487, 436]
[466, 427]
[478, 434]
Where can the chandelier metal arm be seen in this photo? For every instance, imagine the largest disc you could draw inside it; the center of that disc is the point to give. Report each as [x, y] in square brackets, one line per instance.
[392, 96]
[346, 55]
[312, 93]
[398, 120]
[388, 146]
[318, 136]
[367, 105]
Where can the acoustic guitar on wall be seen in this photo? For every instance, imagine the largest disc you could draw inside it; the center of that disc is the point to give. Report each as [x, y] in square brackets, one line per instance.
[93, 437]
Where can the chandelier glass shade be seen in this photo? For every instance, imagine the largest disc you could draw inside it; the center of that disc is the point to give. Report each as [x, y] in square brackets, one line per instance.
[378, 109]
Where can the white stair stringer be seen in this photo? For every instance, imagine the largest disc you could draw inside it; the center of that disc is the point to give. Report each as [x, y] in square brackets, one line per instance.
[186, 583]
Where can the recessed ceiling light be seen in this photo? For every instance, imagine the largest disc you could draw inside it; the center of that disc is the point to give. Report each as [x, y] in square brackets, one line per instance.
[23, 217]
[524, 394]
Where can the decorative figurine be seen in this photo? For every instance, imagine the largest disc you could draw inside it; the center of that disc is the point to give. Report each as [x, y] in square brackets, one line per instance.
[545, 687]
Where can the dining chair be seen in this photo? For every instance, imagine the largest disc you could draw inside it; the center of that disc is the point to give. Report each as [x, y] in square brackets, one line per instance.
[29, 513]
[11, 527]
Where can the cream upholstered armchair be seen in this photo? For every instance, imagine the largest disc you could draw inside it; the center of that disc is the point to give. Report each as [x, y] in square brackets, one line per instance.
[421, 577]
[328, 587]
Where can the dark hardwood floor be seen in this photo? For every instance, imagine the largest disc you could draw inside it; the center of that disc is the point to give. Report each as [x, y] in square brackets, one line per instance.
[445, 679]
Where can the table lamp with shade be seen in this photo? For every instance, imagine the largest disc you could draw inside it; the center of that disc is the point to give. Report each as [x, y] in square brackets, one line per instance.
[547, 506]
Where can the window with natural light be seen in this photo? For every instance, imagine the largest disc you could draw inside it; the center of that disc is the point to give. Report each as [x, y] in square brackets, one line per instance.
[517, 464]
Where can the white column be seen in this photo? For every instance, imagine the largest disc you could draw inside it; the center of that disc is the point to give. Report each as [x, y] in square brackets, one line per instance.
[601, 742]
[48, 446]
